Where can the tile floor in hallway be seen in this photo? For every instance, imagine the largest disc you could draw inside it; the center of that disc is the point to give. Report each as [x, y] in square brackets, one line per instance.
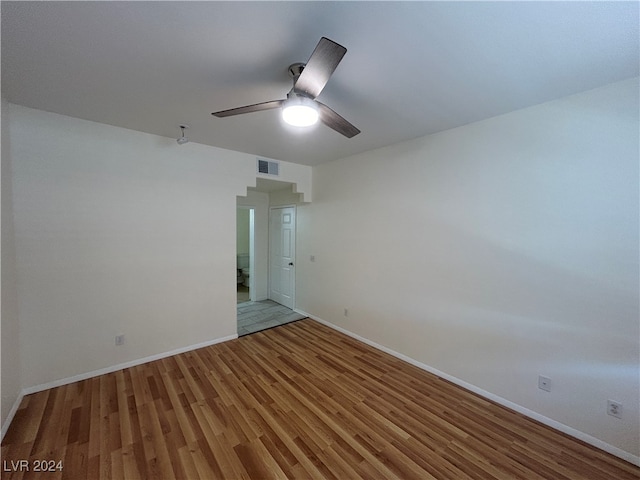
[256, 316]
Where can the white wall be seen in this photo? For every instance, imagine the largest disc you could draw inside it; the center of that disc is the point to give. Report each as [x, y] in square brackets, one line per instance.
[299, 175]
[495, 252]
[11, 381]
[259, 201]
[242, 231]
[120, 232]
[286, 196]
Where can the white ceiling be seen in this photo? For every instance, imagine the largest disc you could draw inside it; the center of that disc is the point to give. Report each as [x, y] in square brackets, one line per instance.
[411, 69]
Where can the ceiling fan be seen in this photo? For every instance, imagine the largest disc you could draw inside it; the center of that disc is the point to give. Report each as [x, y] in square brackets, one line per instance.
[301, 108]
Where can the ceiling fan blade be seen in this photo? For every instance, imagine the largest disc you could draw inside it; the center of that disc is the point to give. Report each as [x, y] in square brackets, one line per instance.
[332, 120]
[256, 107]
[322, 63]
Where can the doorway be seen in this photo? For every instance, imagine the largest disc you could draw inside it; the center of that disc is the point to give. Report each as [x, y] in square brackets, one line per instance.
[262, 311]
[277, 309]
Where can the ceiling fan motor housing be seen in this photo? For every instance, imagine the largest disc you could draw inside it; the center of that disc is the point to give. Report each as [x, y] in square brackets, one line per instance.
[295, 69]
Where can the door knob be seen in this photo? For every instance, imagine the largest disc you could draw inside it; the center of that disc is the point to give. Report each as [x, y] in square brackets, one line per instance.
[291, 264]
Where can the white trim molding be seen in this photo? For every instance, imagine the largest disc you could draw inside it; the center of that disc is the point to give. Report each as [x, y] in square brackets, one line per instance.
[115, 368]
[103, 371]
[593, 441]
[12, 413]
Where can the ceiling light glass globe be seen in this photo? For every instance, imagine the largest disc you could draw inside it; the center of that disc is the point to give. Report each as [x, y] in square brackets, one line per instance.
[300, 112]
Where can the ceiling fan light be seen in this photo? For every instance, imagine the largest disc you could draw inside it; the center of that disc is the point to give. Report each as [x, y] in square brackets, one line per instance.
[300, 112]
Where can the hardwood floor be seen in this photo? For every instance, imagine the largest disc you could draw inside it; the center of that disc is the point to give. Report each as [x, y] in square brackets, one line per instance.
[297, 401]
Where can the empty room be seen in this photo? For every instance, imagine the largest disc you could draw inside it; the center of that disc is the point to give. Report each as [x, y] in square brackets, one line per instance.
[431, 211]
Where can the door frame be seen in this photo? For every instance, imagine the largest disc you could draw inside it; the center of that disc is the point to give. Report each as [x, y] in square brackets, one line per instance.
[295, 250]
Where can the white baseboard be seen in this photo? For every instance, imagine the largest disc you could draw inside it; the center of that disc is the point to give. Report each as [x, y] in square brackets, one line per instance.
[103, 371]
[12, 413]
[596, 442]
[633, 459]
[120, 366]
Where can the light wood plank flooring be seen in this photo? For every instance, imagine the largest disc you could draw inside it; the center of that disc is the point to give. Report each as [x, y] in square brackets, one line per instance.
[296, 401]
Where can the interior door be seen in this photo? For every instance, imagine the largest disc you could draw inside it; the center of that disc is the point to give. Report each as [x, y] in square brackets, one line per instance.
[282, 254]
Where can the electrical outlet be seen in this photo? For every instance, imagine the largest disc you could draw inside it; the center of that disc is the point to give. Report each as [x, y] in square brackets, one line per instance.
[614, 408]
[544, 383]
[119, 340]
[312, 258]
[346, 312]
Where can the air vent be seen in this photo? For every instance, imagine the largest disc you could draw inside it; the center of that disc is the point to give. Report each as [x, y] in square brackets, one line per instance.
[268, 167]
